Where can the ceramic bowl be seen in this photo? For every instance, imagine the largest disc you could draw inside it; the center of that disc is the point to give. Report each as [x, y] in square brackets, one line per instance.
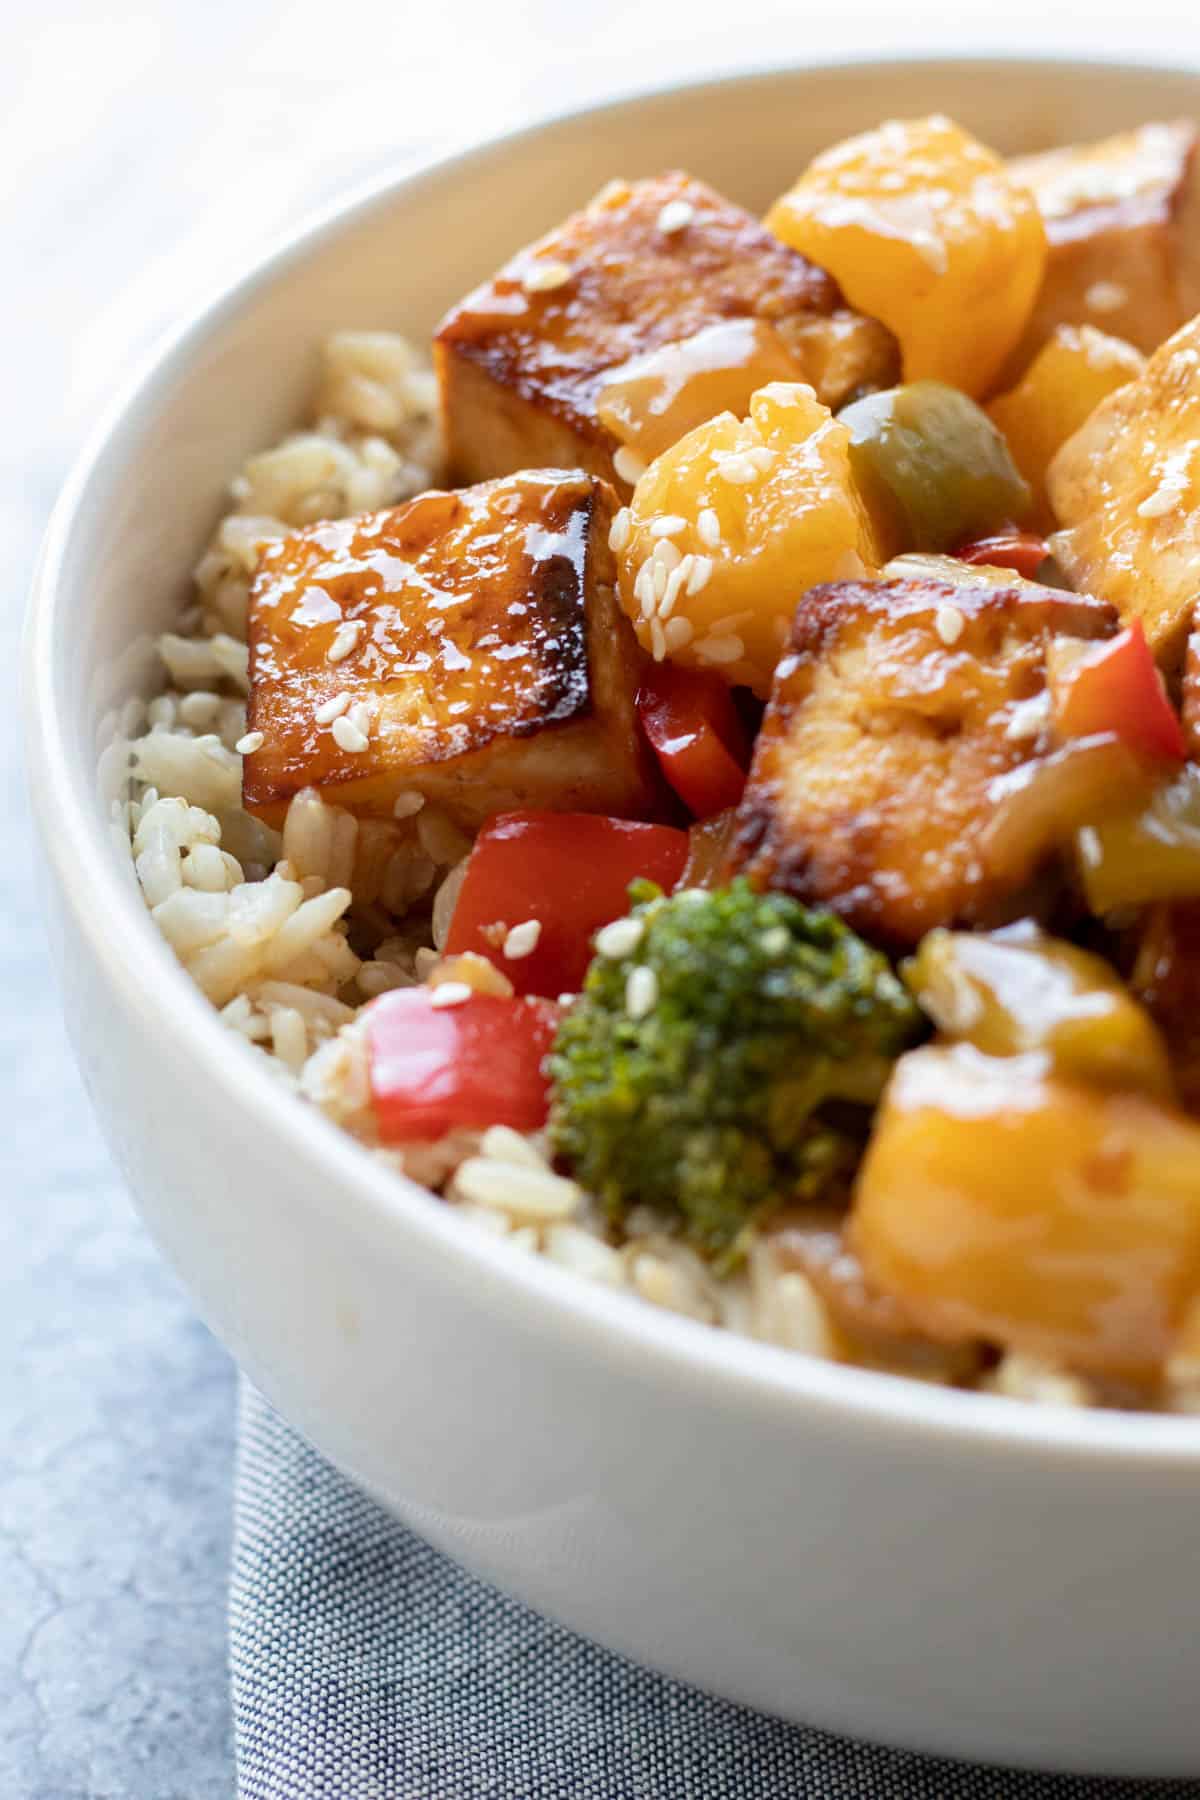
[941, 1570]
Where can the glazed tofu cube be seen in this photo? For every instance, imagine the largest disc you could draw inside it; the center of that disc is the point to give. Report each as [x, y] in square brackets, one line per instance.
[1123, 223]
[1127, 489]
[521, 361]
[897, 706]
[466, 647]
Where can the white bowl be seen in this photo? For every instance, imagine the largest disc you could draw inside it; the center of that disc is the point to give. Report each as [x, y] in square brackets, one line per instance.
[945, 1571]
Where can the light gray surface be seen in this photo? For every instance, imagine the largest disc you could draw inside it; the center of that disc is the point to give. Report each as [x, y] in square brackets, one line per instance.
[151, 147]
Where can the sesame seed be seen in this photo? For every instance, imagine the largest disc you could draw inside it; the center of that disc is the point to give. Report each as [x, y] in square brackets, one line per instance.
[545, 276]
[522, 940]
[347, 736]
[667, 553]
[450, 993]
[736, 468]
[407, 804]
[948, 622]
[612, 193]
[658, 576]
[667, 525]
[675, 581]
[246, 746]
[332, 709]
[677, 633]
[675, 216]
[761, 457]
[643, 590]
[658, 642]
[699, 574]
[1028, 717]
[717, 649]
[1105, 296]
[619, 938]
[621, 531]
[641, 991]
[708, 527]
[1174, 480]
[629, 465]
[360, 715]
[345, 639]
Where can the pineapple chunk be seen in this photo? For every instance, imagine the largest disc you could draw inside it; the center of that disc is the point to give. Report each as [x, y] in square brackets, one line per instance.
[729, 526]
[924, 228]
[894, 712]
[1127, 488]
[520, 362]
[467, 647]
[1073, 371]
[1122, 220]
[998, 1202]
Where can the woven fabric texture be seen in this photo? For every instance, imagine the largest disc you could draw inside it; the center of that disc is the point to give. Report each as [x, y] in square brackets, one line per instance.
[367, 1666]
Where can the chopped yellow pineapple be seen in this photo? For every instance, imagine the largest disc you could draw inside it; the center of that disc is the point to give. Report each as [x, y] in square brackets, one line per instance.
[1127, 488]
[1063, 385]
[728, 527]
[923, 228]
[1014, 991]
[1093, 1261]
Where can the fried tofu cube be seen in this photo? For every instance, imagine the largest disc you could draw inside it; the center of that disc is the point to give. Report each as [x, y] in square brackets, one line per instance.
[1122, 222]
[1126, 488]
[467, 647]
[521, 361]
[898, 705]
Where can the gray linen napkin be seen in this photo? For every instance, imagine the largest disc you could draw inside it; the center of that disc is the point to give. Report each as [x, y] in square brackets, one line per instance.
[366, 1666]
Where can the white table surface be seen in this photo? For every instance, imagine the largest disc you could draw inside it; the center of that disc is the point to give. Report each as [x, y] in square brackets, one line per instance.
[147, 150]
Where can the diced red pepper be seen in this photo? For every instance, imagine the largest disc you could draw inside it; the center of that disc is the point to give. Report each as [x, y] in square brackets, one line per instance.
[1019, 550]
[569, 873]
[1116, 687]
[691, 721]
[434, 1068]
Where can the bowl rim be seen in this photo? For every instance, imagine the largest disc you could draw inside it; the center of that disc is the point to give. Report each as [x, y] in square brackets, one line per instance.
[616, 1327]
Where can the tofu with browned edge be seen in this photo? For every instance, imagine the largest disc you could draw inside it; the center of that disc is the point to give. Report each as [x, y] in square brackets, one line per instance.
[467, 647]
[896, 706]
[1122, 221]
[1126, 489]
[520, 360]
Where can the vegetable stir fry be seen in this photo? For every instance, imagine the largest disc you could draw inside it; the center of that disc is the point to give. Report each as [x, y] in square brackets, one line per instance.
[808, 631]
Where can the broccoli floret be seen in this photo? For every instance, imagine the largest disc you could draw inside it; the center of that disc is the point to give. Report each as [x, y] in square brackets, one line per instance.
[704, 1071]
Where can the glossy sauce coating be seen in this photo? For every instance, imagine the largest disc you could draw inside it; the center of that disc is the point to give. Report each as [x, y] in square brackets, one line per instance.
[896, 709]
[630, 286]
[999, 1202]
[444, 627]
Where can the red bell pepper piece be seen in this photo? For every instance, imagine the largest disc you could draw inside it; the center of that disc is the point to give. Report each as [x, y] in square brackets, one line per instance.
[693, 728]
[568, 871]
[1116, 687]
[434, 1069]
[1019, 550]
